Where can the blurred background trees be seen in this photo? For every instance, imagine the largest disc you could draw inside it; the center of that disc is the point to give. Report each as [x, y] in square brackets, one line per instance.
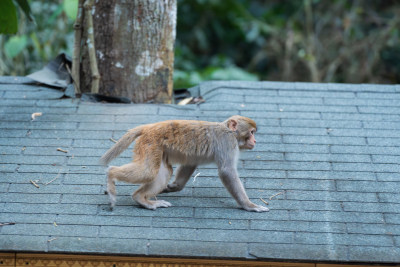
[308, 40]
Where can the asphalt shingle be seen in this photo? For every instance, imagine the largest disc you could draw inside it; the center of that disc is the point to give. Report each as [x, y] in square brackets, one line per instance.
[327, 160]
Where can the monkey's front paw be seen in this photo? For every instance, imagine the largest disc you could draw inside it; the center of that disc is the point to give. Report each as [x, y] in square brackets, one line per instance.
[262, 209]
[165, 190]
[171, 188]
[257, 208]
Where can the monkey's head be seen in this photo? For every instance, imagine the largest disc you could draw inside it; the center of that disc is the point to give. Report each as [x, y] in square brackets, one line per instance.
[245, 130]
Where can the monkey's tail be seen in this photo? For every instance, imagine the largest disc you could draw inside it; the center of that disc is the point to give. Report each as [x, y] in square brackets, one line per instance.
[122, 144]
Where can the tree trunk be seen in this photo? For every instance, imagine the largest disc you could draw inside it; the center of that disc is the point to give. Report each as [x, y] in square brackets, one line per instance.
[134, 42]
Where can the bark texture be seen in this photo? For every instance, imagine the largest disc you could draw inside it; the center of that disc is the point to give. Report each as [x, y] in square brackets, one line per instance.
[134, 48]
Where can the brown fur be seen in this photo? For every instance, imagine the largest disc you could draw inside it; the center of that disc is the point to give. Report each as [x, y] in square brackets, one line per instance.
[188, 143]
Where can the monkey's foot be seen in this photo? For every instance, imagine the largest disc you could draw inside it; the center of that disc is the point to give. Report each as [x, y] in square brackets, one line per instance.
[113, 200]
[154, 204]
[256, 208]
[162, 204]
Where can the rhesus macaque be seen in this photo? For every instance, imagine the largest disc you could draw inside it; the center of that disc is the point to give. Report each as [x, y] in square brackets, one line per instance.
[189, 143]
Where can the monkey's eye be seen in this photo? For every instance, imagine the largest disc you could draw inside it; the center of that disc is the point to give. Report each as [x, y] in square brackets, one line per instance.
[252, 132]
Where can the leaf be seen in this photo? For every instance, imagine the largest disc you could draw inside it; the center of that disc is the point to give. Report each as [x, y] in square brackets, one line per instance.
[52, 19]
[24, 5]
[36, 43]
[8, 17]
[15, 45]
[71, 8]
[232, 73]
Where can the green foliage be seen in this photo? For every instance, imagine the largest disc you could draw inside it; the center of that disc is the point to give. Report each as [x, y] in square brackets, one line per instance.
[220, 67]
[304, 40]
[70, 8]
[309, 40]
[24, 5]
[15, 45]
[37, 43]
[185, 79]
[8, 17]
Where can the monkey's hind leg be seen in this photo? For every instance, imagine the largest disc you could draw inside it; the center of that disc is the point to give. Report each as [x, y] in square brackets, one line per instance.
[151, 189]
[111, 191]
[133, 172]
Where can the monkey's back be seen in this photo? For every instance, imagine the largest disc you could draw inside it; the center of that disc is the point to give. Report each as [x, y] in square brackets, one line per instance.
[185, 141]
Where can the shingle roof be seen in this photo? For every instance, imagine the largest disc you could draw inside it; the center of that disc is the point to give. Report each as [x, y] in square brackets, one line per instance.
[327, 154]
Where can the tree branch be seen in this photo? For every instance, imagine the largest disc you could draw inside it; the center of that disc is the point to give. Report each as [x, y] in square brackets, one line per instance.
[91, 47]
[77, 48]
[310, 43]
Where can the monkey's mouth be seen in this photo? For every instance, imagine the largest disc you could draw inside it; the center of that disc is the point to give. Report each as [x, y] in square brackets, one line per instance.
[248, 146]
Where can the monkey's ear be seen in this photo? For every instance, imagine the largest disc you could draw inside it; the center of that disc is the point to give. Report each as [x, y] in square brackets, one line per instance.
[232, 124]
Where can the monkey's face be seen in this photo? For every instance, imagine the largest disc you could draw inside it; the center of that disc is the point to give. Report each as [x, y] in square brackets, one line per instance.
[249, 140]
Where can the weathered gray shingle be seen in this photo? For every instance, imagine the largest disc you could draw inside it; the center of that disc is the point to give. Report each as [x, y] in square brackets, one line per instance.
[327, 160]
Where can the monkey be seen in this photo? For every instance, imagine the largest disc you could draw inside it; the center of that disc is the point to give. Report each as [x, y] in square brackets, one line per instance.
[186, 142]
